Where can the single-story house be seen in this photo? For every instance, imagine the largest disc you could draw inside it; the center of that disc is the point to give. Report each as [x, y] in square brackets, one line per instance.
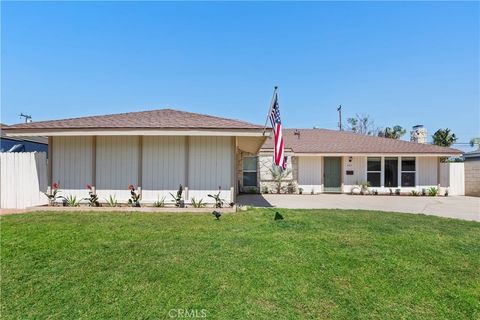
[472, 173]
[320, 161]
[156, 150]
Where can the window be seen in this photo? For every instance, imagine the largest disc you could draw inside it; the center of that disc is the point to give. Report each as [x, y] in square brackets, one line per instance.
[250, 171]
[408, 172]
[374, 171]
[391, 172]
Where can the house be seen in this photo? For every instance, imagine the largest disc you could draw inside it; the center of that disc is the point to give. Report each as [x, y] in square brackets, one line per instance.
[322, 161]
[155, 150]
[472, 173]
[21, 144]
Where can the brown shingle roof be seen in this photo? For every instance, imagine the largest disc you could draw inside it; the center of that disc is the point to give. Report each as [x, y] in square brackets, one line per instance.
[153, 119]
[330, 141]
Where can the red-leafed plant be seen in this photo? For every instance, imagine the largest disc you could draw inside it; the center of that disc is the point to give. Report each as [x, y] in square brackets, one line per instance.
[93, 198]
[134, 200]
[53, 196]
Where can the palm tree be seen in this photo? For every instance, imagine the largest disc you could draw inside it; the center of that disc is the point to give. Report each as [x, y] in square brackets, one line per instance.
[444, 138]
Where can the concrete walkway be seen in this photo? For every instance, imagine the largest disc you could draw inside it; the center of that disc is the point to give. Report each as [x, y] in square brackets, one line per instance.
[466, 208]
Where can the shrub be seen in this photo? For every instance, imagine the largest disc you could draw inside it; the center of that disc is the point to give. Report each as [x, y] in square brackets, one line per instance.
[291, 187]
[414, 193]
[160, 203]
[111, 201]
[71, 201]
[300, 190]
[134, 200]
[432, 191]
[278, 175]
[265, 189]
[198, 203]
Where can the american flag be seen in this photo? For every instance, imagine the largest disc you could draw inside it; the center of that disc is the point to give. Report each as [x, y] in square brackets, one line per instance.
[278, 150]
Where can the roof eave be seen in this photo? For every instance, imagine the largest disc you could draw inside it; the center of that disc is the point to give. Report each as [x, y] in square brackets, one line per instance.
[22, 132]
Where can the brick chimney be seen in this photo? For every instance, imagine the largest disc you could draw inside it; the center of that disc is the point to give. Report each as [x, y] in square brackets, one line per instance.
[418, 134]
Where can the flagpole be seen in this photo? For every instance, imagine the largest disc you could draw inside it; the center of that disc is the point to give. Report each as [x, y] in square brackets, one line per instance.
[270, 109]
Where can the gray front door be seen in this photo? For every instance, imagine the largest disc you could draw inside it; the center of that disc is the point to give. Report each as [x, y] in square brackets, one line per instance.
[332, 171]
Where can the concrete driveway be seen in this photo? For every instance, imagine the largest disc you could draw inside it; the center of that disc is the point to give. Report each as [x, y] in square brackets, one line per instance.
[466, 208]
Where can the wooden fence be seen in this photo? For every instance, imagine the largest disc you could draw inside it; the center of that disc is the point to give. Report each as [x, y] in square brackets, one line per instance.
[23, 179]
[452, 176]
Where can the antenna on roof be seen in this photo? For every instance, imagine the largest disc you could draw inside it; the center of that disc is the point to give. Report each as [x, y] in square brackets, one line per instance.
[28, 118]
[339, 109]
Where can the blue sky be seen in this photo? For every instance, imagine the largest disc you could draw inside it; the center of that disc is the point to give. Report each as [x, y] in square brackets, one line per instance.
[401, 63]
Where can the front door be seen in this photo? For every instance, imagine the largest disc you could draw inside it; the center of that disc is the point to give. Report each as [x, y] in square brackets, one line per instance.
[332, 171]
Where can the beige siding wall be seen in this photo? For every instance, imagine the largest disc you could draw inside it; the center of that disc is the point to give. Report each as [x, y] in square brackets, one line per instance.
[210, 166]
[358, 165]
[163, 166]
[72, 164]
[117, 165]
[310, 174]
[427, 171]
[472, 177]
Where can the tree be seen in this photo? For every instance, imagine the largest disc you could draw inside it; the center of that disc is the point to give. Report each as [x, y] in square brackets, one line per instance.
[362, 124]
[475, 142]
[393, 133]
[444, 138]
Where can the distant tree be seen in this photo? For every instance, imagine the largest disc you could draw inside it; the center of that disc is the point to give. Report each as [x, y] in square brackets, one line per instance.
[475, 142]
[393, 133]
[362, 124]
[444, 138]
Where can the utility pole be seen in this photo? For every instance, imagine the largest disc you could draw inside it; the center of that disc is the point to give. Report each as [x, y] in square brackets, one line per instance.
[28, 118]
[339, 109]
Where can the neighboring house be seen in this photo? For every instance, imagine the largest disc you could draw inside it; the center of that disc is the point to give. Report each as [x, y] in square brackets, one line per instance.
[472, 173]
[321, 160]
[156, 150]
[23, 144]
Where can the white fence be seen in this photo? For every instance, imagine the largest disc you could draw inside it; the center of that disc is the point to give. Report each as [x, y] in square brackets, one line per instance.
[23, 179]
[452, 176]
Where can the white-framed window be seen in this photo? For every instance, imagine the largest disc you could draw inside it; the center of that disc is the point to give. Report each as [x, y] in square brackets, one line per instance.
[249, 171]
[408, 172]
[374, 171]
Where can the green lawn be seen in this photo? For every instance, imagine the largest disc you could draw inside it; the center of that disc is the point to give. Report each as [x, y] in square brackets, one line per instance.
[314, 264]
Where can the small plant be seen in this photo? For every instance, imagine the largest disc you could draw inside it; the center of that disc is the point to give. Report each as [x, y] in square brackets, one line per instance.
[52, 197]
[446, 192]
[424, 192]
[265, 189]
[278, 175]
[391, 191]
[300, 190]
[375, 192]
[397, 192]
[134, 200]
[432, 191]
[71, 201]
[93, 198]
[364, 187]
[218, 201]
[178, 198]
[291, 187]
[198, 203]
[111, 201]
[252, 190]
[160, 203]
[231, 204]
[414, 193]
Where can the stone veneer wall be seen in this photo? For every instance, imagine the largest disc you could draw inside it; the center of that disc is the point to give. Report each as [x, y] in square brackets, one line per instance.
[264, 176]
[472, 177]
